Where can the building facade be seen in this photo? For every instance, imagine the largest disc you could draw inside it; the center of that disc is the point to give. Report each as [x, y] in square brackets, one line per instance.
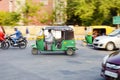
[47, 9]
[45, 12]
[6, 5]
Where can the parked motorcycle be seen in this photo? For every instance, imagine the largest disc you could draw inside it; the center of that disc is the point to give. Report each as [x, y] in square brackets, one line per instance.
[21, 43]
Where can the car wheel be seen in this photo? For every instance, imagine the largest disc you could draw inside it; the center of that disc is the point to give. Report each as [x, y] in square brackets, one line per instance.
[69, 51]
[34, 51]
[110, 46]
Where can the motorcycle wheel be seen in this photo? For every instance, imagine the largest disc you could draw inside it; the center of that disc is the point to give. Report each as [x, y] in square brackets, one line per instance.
[2, 45]
[7, 45]
[22, 45]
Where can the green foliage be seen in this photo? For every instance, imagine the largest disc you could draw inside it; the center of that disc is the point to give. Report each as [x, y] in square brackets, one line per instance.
[9, 18]
[53, 17]
[93, 12]
[44, 18]
[30, 9]
[59, 13]
[25, 20]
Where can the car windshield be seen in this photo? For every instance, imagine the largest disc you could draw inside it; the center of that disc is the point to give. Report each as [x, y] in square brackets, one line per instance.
[114, 33]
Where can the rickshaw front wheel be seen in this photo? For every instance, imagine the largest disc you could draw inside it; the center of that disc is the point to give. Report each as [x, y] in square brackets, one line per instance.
[70, 51]
[34, 51]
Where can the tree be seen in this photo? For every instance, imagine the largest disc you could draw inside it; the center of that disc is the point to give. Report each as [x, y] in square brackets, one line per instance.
[71, 17]
[93, 12]
[9, 18]
[30, 10]
[83, 9]
[109, 10]
[60, 12]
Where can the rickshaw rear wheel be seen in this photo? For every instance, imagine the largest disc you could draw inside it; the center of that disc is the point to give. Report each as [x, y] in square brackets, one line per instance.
[34, 51]
[70, 51]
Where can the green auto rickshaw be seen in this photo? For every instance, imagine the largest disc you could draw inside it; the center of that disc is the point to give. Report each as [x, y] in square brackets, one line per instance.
[64, 41]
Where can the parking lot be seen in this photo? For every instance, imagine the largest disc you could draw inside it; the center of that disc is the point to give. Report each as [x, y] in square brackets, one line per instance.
[20, 64]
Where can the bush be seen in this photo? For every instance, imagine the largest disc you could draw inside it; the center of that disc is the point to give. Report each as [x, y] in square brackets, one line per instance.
[9, 18]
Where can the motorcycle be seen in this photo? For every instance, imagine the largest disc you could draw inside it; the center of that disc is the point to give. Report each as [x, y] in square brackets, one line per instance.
[21, 42]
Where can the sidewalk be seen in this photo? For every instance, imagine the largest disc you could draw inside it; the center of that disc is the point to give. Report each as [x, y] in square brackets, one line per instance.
[79, 37]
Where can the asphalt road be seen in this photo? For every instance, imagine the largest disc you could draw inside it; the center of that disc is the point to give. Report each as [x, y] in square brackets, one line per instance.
[20, 64]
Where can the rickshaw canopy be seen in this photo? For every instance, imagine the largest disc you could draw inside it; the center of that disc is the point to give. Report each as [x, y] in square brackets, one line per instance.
[59, 28]
[106, 29]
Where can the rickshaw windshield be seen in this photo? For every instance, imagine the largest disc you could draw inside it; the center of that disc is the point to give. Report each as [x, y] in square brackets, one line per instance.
[114, 33]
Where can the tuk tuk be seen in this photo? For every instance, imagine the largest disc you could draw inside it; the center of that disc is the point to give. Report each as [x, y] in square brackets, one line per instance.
[64, 41]
[94, 31]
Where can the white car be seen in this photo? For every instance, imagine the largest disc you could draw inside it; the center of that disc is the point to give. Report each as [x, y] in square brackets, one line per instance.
[109, 42]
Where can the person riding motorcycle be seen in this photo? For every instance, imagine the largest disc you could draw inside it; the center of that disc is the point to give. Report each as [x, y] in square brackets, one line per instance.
[18, 35]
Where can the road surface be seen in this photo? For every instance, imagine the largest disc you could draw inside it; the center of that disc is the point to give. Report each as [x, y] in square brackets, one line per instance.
[20, 64]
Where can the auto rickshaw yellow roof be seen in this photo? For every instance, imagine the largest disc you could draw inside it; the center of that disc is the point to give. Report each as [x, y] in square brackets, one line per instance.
[100, 26]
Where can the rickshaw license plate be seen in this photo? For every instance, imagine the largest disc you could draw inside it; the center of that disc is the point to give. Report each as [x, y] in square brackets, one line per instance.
[111, 74]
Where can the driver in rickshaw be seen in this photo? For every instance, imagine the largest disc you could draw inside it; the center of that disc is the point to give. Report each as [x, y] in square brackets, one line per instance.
[49, 40]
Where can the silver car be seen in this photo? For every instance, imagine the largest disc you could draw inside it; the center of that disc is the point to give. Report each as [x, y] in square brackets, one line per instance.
[109, 42]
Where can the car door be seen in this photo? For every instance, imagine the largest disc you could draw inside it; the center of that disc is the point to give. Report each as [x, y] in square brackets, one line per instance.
[117, 41]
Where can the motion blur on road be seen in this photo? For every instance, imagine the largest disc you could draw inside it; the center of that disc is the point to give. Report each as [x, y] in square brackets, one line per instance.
[20, 64]
[81, 15]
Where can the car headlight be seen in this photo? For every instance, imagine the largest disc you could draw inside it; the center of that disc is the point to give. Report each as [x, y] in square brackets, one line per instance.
[105, 59]
[116, 67]
[112, 66]
[96, 40]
